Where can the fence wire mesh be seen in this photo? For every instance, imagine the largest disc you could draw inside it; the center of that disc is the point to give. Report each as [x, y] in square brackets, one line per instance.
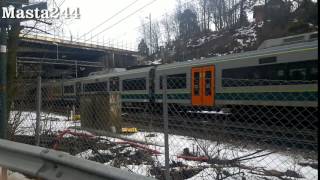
[211, 134]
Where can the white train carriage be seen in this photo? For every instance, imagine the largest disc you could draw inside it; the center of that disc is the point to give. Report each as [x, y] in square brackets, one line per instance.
[283, 72]
[279, 76]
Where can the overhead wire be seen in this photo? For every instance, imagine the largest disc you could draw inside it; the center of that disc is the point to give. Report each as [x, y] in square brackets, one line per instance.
[118, 22]
[62, 2]
[107, 20]
[186, 3]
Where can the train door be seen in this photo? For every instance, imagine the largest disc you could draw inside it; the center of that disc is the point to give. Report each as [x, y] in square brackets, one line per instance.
[203, 86]
[152, 85]
[196, 87]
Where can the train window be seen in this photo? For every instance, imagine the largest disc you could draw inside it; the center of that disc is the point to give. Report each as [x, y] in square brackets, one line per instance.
[78, 87]
[134, 84]
[314, 70]
[314, 73]
[96, 87]
[280, 73]
[208, 80]
[297, 74]
[276, 74]
[196, 83]
[114, 84]
[302, 73]
[89, 87]
[314, 36]
[160, 82]
[56, 90]
[177, 81]
[68, 89]
[293, 39]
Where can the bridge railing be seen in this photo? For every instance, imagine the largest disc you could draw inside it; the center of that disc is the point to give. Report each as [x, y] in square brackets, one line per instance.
[98, 44]
[60, 62]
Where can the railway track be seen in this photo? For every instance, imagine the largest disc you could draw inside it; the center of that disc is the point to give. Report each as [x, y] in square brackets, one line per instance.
[223, 127]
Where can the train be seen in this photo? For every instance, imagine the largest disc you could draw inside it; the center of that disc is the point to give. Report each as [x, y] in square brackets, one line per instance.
[281, 72]
[269, 94]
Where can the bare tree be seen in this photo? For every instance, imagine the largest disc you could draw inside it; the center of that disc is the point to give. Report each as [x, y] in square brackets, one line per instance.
[169, 27]
[155, 36]
[204, 14]
[151, 34]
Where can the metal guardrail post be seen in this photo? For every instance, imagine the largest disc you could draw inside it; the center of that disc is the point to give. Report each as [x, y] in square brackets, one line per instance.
[38, 115]
[166, 128]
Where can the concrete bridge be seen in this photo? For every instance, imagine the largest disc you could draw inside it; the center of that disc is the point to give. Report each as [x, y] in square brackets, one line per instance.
[57, 58]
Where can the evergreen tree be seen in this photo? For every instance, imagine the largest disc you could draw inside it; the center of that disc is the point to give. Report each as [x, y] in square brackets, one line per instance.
[188, 24]
[143, 48]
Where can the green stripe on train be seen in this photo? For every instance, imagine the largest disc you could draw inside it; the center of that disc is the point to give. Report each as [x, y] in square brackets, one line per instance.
[270, 96]
[262, 96]
[135, 96]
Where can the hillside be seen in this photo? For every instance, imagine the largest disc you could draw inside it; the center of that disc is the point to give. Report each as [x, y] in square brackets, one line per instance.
[240, 37]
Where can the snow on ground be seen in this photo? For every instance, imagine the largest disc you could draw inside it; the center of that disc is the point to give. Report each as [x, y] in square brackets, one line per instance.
[85, 154]
[155, 62]
[138, 169]
[245, 36]
[202, 40]
[274, 161]
[208, 112]
[25, 122]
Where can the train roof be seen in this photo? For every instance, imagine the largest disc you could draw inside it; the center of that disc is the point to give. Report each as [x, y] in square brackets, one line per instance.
[289, 40]
[256, 53]
[109, 75]
[274, 50]
[102, 76]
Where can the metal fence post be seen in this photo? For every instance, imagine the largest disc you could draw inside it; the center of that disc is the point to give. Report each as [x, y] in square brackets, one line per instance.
[38, 118]
[166, 128]
[76, 68]
[3, 82]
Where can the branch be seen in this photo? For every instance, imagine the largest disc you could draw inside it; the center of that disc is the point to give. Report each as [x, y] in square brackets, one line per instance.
[257, 156]
[258, 151]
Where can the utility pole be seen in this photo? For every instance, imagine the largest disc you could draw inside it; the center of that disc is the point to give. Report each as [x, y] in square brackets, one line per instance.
[76, 62]
[57, 50]
[4, 24]
[3, 75]
[150, 33]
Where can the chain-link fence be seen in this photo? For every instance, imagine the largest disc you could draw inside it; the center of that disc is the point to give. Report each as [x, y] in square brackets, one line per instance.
[168, 129]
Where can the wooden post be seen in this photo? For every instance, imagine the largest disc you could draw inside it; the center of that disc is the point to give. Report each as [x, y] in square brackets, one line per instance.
[4, 174]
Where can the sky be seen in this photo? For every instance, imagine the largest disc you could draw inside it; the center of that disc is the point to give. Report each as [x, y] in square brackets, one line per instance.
[94, 12]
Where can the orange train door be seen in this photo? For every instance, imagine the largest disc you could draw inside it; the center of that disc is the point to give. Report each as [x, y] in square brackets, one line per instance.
[203, 86]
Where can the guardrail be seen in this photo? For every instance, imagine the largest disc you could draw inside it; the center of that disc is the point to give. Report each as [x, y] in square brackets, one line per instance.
[53, 165]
